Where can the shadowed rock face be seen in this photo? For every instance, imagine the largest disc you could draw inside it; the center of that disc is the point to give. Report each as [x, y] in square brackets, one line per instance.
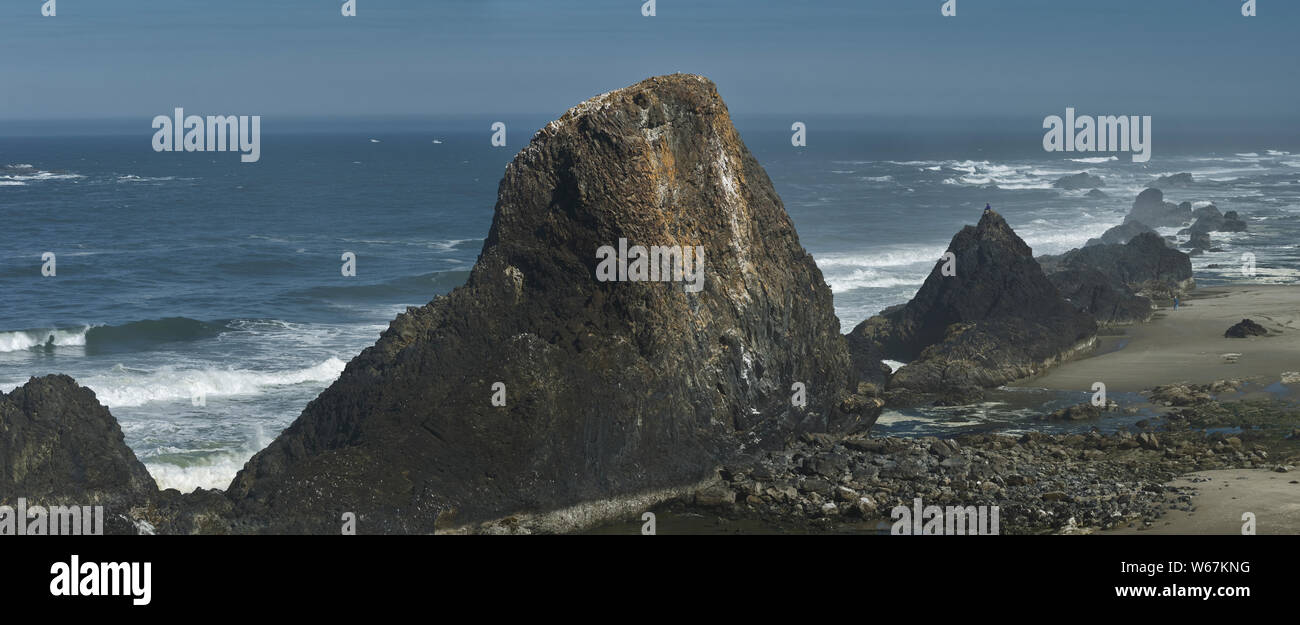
[1144, 265]
[59, 446]
[1110, 302]
[996, 320]
[612, 388]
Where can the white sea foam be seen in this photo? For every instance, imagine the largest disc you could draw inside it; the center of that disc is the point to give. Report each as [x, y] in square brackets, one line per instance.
[1095, 159]
[27, 339]
[123, 386]
[211, 472]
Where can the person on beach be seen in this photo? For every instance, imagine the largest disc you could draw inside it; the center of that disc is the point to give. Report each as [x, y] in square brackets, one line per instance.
[1175, 302]
[987, 208]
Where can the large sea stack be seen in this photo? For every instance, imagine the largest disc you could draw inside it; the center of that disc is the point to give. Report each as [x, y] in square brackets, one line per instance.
[618, 394]
[996, 319]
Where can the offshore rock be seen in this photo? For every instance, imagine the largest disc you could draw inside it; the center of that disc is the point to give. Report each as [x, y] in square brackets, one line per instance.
[1145, 265]
[1150, 208]
[996, 320]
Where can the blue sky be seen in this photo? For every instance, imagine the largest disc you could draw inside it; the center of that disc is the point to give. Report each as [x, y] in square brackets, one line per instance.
[133, 58]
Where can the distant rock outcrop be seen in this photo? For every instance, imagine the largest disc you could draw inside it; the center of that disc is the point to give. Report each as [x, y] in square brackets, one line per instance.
[1096, 194]
[1151, 209]
[997, 319]
[1082, 180]
[1144, 265]
[1173, 180]
[59, 446]
[617, 394]
[1120, 234]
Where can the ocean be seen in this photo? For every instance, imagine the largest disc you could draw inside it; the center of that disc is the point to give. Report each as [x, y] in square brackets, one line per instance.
[202, 298]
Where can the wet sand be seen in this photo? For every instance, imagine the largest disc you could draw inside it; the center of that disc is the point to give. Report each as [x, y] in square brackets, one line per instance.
[1274, 499]
[1187, 344]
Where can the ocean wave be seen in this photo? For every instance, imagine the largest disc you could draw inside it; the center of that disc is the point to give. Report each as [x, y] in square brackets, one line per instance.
[210, 471]
[867, 278]
[900, 256]
[27, 339]
[422, 287]
[97, 338]
[25, 172]
[1094, 160]
[126, 387]
[134, 178]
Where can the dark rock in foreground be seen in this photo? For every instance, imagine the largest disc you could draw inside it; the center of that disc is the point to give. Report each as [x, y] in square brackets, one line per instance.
[618, 393]
[1082, 180]
[1151, 209]
[1245, 328]
[996, 320]
[59, 446]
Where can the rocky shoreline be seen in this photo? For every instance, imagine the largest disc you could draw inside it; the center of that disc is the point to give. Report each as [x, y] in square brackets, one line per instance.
[739, 398]
[1042, 483]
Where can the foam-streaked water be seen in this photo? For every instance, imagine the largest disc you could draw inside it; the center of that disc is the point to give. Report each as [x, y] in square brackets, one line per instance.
[202, 298]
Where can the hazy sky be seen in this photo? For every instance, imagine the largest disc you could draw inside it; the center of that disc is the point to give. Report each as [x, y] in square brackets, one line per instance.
[134, 58]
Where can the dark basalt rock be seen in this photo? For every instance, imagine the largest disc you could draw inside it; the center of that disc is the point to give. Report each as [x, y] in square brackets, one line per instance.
[1082, 180]
[1208, 219]
[998, 319]
[1173, 180]
[1245, 328]
[1151, 209]
[59, 446]
[1110, 302]
[867, 360]
[615, 390]
[1120, 234]
[1096, 194]
[1232, 223]
[1200, 240]
[1145, 265]
[1209, 211]
[1077, 412]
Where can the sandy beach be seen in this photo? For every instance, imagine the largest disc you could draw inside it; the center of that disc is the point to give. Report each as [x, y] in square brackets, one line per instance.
[1224, 496]
[1187, 344]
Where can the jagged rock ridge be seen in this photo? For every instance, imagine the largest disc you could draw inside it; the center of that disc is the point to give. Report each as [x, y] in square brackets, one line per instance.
[996, 320]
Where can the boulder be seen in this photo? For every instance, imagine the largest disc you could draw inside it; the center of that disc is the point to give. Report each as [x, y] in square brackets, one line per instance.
[1244, 329]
